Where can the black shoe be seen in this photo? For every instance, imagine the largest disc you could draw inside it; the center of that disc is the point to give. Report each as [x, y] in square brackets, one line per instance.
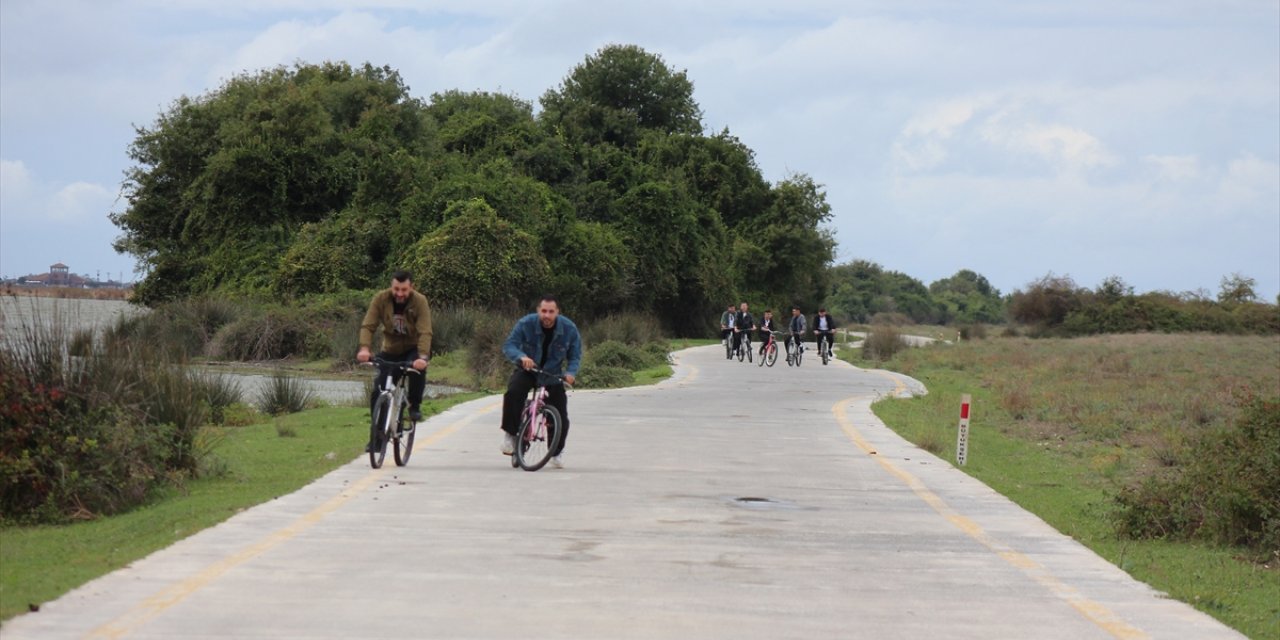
[415, 414]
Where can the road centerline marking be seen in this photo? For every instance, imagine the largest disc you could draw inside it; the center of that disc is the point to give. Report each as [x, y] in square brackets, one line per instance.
[155, 605]
[1095, 612]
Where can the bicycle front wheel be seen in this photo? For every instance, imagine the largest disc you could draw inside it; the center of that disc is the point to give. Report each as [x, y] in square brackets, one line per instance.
[771, 354]
[404, 441]
[378, 431]
[536, 442]
[742, 353]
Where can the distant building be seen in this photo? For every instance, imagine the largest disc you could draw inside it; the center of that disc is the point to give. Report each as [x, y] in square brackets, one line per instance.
[60, 275]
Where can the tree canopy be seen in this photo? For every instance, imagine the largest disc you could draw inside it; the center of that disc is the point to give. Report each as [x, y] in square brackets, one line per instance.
[323, 177]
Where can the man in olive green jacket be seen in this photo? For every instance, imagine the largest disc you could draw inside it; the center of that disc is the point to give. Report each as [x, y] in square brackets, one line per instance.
[405, 317]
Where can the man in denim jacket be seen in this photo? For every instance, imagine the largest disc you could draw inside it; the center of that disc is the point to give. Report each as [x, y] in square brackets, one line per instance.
[550, 342]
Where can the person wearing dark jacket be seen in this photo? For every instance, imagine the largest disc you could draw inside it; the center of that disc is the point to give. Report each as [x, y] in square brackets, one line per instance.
[765, 327]
[824, 327]
[743, 325]
[550, 342]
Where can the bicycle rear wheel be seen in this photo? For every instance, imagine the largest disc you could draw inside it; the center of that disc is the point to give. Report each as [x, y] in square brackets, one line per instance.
[534, 447]
[404, 441]
[378, 434]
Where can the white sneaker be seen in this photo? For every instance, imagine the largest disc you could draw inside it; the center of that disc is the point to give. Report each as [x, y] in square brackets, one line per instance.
[557, 462]
[508, 444]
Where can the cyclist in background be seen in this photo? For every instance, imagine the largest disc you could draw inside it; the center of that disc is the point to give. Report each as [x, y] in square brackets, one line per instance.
[726, 325]
[405, 317]
[796, 327]
[824, 327]
[743, 324]
[548, 341]
[766, 327]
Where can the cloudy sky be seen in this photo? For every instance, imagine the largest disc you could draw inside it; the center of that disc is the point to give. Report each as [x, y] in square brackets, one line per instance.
[1078, 137]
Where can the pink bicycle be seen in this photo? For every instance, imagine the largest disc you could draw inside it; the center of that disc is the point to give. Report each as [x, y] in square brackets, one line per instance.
[540, 431]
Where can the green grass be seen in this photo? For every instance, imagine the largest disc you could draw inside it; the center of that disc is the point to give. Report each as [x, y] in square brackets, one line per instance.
[1059, 426]
[256, 464]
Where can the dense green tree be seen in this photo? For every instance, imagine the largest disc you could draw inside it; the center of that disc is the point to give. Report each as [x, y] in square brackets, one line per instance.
[478, 258]
[616, 93]
[317, 178]
[223, 182]
[967, 297]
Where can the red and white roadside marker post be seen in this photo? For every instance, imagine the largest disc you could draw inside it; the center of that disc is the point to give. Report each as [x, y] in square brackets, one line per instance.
[962, 438]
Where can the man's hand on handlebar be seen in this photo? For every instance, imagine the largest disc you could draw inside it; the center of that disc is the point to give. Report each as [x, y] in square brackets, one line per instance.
[420, 364]
[363, 355]
[526, 362]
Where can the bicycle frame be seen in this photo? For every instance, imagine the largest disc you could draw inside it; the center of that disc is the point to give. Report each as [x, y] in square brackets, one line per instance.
[391, 427]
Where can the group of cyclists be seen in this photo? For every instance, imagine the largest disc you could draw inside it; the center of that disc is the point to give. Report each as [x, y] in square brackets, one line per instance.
[544, 341]
[736, 325]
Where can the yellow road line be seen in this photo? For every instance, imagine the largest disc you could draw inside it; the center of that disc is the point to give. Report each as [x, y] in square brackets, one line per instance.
[1094, 611]
[152, 607]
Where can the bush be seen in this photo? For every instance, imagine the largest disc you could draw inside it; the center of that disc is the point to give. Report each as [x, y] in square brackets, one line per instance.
[488, 366]
[603, 377]
[882, 343]
[284, 394]
[627, 328]
[1226, 489]
[218, 392]
[453, 326]
[616, 354]
[94, 434]
[270, 335]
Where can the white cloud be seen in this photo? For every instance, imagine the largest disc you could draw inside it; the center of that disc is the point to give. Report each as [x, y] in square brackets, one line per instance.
[15, 180]
[1174, 168]
[1063, 146]
[1251, 182]
[79, 201]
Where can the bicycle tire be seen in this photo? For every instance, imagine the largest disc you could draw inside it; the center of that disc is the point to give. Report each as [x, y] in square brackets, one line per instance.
[728, 349]
[377, 431]
[747, 347]
[826, 354]
[771, 354]
[742, 353]
[761, 364]
[534, 454]
[404, 441]
[799, 355]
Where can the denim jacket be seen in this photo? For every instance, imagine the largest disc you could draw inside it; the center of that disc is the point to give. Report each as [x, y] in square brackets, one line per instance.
[526, 340]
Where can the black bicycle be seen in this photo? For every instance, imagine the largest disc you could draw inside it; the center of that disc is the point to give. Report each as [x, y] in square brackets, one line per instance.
[389, 416]
[825, 339]
[540, 432]
[744, 346]
[795, 350]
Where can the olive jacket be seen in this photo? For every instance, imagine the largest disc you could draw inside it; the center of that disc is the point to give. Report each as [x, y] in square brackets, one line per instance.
[415, 331]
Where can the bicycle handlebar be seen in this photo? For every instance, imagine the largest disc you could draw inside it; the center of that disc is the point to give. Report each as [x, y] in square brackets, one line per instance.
[538, 371]
[403, 365]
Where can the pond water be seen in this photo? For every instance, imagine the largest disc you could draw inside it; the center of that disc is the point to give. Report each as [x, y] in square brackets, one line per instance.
[17, 312]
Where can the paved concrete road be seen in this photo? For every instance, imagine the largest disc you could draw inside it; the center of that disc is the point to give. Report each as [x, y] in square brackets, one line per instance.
[729, 502]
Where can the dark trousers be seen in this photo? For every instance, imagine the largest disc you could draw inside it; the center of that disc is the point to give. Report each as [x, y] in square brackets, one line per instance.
[417, 384]
[828, 336]
[794, 339]
[518, 387]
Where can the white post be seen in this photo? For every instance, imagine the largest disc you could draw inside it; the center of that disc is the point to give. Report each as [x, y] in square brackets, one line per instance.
[962, 439]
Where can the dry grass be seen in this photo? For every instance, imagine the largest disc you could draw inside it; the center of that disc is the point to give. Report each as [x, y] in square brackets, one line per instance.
[68, 292]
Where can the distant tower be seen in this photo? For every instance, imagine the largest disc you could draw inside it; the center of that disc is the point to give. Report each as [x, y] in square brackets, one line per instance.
[59, 274]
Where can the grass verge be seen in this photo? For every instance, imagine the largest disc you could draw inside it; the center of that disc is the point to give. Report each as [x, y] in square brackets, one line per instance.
[256, 464]
[1059, 426]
